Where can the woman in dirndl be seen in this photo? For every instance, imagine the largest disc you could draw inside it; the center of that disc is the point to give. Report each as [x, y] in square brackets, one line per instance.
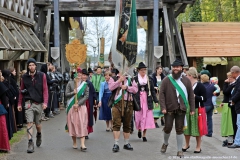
[144, 97]
[104, 95]
[77, 115]
[157, 80]
[229, 115]
[192, 120]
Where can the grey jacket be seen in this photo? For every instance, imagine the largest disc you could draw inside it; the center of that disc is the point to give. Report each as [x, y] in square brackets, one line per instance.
[70, 93]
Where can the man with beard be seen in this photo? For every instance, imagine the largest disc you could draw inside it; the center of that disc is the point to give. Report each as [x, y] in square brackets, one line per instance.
[36, 99]
[176, 100]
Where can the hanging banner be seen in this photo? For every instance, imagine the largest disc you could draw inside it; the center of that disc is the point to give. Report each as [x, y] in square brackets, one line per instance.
[55, 52]
[127, 32]
[101, 57]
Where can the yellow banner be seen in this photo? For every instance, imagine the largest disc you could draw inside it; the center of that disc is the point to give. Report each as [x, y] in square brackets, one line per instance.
[101, 57]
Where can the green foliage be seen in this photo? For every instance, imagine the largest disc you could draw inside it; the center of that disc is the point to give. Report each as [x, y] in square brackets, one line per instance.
[236, 59]
[212, 11]
[196, 13]
[199, 61]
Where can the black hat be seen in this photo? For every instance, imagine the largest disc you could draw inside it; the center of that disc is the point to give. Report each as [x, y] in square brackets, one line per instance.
[141, 65]
[177, 62]
[84, 71]
[114, 70]
[31, 60]
[90, 70]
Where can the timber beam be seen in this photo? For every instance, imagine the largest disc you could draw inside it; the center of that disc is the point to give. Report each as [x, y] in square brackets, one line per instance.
[15, 55]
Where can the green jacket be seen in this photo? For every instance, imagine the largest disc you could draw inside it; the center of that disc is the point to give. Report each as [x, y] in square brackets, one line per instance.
[96, 81]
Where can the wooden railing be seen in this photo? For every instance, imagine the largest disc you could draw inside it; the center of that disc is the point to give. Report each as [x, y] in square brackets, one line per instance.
[22, 7]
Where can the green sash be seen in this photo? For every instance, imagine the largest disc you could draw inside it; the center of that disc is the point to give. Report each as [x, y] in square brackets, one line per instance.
[119, 96]
[71, 102]
[180, 91]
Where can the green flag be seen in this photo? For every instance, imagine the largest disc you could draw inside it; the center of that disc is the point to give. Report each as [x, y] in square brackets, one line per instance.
[127, 34]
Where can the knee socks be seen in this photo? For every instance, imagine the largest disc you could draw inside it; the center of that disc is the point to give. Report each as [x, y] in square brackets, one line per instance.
[179, 141]
[116, 141]
[166, 137]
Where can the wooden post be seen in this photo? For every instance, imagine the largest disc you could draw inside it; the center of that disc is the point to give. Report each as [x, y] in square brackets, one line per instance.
[168, 35]
[170, 17]
[165, 51]
[76, 86]
[64, 40]
[40, 29]
[179, 39]
[155, 31]
[150, 40]
[47, 35]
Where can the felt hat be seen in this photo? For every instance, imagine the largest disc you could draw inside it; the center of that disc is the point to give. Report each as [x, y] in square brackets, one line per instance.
[84, 71]
[177, 62]
[141, 65]
[114, 70]
[90, 70]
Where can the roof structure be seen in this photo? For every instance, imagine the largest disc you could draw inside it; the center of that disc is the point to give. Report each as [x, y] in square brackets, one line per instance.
[212, 39]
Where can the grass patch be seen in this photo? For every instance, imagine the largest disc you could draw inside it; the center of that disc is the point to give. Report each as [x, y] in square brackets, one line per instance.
[15, 139]
[17, 136]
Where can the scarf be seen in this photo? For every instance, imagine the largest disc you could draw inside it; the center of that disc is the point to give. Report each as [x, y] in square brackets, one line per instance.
[142, 80]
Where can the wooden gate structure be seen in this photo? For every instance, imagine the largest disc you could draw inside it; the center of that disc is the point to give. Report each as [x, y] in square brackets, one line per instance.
[161, 15]
[17, 39]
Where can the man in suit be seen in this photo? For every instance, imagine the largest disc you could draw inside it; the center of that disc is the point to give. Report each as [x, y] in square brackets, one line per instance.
[235, 70]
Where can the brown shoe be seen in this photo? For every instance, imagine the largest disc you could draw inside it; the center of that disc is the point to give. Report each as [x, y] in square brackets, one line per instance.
[164, 148]
[180, 154]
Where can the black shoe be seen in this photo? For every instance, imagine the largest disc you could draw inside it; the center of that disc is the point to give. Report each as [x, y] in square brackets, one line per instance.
[139, 134]
[209, 135]
[83, 149]
[185, 149]
[144, 139]
[197, 151]
[86, 137]
[128, 147]
[115, 148]
[234, 146]
[225, 143]
[156, 125]
[39, 140]
[30, 147]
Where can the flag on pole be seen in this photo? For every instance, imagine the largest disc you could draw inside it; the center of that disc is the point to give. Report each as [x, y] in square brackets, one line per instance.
[121, 48]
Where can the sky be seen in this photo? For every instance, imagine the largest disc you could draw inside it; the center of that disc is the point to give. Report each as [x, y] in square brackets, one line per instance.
[141, 36]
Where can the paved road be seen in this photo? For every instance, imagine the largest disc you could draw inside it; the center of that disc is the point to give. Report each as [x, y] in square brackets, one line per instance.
[57, 145]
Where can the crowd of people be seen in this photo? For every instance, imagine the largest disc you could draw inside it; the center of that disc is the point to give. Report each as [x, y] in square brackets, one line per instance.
[184, 96]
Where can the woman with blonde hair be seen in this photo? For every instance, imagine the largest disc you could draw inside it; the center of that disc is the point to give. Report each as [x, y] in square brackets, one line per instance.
[105, 112]
[208, 103]
[192, 120]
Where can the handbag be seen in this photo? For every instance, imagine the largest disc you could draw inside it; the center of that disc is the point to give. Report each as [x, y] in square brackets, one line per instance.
[136, 106]
[202, 121]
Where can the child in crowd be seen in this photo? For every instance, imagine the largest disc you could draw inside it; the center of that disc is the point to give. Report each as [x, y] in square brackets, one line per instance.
[216, 93]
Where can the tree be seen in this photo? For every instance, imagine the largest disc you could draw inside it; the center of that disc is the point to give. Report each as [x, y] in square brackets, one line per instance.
[97, 28]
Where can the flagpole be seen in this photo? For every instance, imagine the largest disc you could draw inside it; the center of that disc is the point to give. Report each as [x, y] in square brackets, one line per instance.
[122, 89]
